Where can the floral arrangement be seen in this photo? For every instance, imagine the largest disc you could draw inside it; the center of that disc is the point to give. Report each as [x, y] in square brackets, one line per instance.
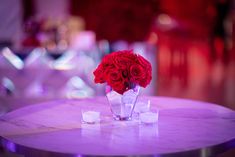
[122, 70]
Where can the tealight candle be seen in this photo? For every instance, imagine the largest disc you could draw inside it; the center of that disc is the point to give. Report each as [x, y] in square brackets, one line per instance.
[149, 117]
[91, 116]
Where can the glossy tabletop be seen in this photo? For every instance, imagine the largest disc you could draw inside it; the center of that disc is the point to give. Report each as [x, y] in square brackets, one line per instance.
[184, 126]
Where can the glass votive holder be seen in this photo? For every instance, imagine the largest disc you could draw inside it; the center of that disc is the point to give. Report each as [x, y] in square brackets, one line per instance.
[142, 105]
[90, 117]
[148, 117]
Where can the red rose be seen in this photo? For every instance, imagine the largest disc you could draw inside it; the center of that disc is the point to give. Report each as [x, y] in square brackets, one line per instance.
[148, 68]
[142, 61]
[107, 62]
[137, 73]
[98, 73]
[122, 69]
[116, 81]
[123, 59]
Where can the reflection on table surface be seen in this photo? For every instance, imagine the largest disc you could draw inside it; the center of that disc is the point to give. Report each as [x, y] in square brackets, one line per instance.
[184, 127]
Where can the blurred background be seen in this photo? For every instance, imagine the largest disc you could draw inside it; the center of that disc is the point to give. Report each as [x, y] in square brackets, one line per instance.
[49, 48]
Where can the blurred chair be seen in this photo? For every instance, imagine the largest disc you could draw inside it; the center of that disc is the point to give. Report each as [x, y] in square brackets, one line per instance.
[71, 64]
[36, 69]
[11, 58]
[10, 65]
[7, 87]
[77, 88]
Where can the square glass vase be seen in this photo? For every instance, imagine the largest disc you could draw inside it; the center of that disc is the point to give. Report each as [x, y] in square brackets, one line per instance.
[122, 105]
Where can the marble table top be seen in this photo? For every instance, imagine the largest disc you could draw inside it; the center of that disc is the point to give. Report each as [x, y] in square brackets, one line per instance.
[55, 127]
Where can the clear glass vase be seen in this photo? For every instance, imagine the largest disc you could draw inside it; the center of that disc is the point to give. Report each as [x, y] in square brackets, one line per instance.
[122, 105]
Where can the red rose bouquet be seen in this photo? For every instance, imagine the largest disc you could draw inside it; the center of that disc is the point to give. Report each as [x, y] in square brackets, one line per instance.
[122, 70]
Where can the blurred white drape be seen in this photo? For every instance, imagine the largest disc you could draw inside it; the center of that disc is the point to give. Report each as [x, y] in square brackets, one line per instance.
[11, 18]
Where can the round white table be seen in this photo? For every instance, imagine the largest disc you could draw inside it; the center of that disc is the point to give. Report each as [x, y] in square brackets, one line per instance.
[185, 127]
